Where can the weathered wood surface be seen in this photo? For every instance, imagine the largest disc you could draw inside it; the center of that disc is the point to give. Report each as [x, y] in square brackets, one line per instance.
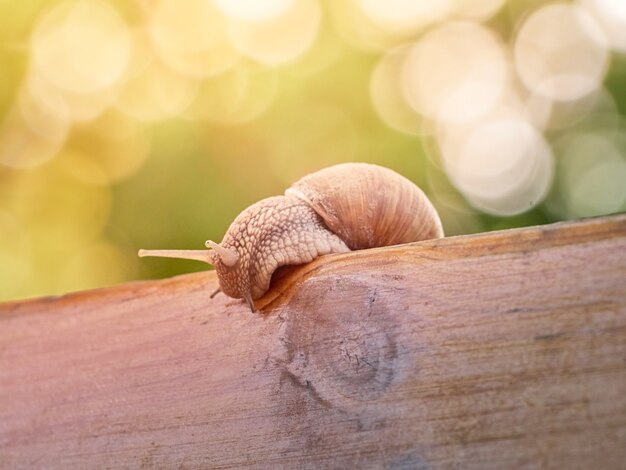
[500, 350]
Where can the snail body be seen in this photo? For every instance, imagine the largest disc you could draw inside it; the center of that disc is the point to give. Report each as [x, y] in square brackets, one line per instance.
[345, 207]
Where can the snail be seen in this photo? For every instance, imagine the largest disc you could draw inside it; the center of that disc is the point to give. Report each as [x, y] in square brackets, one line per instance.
[350, 206]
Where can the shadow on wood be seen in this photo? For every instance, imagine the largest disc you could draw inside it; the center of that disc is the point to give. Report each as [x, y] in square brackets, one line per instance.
[500, 350]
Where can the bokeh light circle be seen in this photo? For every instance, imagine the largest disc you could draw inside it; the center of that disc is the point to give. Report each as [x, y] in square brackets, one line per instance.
[253, 10]
[281, 39]
[46, 114]
[404, 15]
[387, 96]
[455, 73]
[504, 167]
[154, 91]
[561, 52]
[592, 172]
[598, 106]
[478, 10]
[611, 15]
[190, 36]
[488, 105]
[237, 96]
[81, 46]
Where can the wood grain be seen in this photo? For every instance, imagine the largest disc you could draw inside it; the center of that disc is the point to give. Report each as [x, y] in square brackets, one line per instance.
[499, 350]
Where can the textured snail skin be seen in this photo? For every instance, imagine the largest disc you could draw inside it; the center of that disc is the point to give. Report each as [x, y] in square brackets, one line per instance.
[274, 232]
[345, 207]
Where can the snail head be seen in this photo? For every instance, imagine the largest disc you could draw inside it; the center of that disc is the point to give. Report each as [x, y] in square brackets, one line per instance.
[226, 262]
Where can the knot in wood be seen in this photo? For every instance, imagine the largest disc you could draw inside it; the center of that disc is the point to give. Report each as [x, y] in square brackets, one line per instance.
[342, 342]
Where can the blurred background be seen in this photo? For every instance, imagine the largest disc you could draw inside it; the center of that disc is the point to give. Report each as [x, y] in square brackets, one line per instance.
[153, 123]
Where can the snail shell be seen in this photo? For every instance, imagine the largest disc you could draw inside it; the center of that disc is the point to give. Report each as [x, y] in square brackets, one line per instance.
[346, 207]
[369, 206]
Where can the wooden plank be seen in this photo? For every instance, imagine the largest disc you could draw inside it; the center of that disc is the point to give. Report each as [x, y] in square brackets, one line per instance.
[500, 350]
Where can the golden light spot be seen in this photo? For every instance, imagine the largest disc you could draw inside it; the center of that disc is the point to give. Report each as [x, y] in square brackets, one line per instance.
[81, 46]
[45, 114]
[66, 105]
[154, 91]
[190, 36]
[281, 39]
[357, 28]
[478, 10]
[254, 10]
[22, 147]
